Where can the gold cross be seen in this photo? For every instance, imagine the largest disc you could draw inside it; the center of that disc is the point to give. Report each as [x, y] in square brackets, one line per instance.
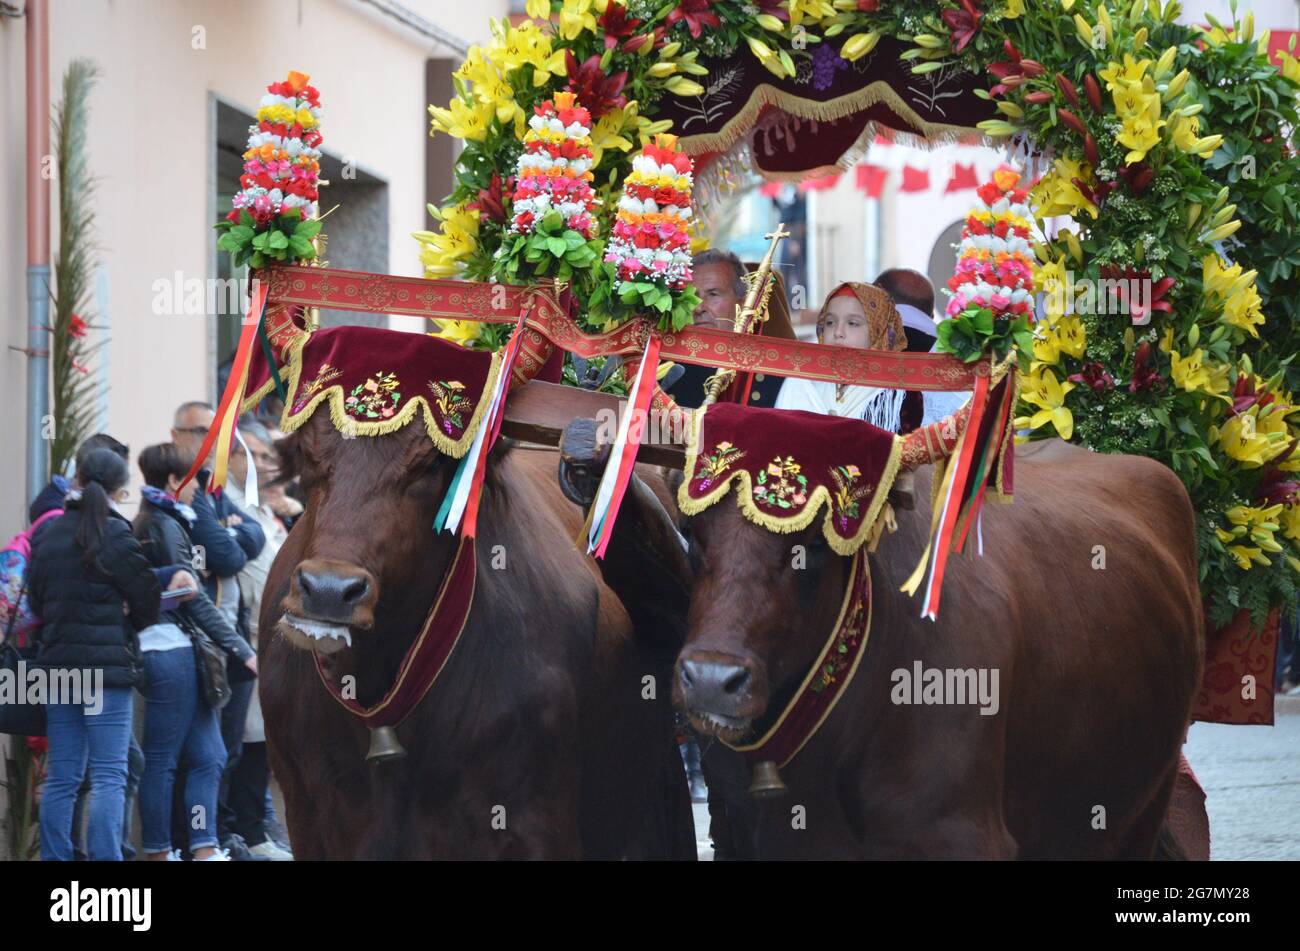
[779, 233]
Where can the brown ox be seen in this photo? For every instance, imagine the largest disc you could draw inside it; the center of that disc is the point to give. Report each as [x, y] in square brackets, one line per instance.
[535, 740]
[1097, 669]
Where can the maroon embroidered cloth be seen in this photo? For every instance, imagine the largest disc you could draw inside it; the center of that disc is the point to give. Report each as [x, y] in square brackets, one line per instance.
[376, 381]
[808, 122]
[785, 465]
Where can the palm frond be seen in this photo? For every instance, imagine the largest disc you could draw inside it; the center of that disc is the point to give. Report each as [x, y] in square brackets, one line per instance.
[75, 392]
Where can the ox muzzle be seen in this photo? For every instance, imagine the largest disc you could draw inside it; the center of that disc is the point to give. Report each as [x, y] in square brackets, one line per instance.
[721, 694]
[327, 601]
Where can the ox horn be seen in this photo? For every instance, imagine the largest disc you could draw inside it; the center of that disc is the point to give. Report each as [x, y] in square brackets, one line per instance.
[766, 782]
[384, 746]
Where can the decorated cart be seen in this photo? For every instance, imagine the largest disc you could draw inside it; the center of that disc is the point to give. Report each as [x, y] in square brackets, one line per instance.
[593, 129]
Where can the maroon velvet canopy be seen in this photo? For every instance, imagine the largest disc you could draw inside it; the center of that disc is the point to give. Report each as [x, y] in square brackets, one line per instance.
[824, 116]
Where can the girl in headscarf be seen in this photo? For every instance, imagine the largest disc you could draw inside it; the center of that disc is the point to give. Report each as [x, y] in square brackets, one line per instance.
[854, 315]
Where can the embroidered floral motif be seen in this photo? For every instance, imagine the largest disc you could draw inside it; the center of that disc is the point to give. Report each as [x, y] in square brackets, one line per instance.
[782, 484]
[716, 463]
[452, 402]
[847, 493]
[377, 398]
[840, 657]
[324, 375]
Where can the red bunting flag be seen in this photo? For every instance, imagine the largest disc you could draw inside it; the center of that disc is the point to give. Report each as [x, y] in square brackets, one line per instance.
[871, 179]
[819, 184]
[915, 179]
[963, 177]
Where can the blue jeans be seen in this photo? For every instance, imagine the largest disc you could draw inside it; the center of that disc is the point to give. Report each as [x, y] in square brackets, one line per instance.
[134, 769]
[178, 721]
[80, 739]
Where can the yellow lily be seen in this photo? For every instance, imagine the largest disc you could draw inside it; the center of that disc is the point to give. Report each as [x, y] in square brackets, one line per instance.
[442, 252]
[1235, 290]
[1131, 71]
[1056, 194]
[608, 134]
[813, 11]
[463, 120]
[1241, 440]
[1245, 556]
[1042, 389]
[578, 17]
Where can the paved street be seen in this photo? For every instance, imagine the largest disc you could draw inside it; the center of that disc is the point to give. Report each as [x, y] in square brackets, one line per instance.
[1251, 776]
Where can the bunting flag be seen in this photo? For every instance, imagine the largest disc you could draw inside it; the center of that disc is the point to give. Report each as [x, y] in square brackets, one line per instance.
[819, 184]
[222, 431]
[618, 472]
[460, 505]
[915, 179]
[963, 177]
[871, 179]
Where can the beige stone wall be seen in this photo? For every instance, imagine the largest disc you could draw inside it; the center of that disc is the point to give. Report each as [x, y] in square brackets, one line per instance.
[152, 145]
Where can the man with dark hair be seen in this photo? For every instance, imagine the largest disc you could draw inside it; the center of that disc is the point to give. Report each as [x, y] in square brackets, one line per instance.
[719, 278]
[227, 538]
[913, 295]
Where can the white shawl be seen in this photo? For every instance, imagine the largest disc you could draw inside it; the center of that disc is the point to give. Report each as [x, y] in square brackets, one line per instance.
[879, 406]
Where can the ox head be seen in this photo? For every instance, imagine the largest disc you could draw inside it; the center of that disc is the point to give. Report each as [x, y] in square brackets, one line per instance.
[761, 608]
[366, 542]
[777, 503]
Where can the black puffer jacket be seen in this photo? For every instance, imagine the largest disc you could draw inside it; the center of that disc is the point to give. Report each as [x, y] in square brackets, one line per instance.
[166, 541]
[84, 627]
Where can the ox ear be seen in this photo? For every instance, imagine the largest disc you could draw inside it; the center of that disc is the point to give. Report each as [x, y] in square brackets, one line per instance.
[902, 494]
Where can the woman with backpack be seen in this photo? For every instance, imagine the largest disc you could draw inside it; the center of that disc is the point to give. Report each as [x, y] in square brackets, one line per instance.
[180, 690]
[94, 590]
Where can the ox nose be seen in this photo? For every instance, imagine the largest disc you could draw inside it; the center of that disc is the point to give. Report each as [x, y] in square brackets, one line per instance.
[715, 687]
[332, 594]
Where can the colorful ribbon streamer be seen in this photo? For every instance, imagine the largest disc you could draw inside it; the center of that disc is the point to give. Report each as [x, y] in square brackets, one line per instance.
[460, 505]
[622, 457]
[221, 432]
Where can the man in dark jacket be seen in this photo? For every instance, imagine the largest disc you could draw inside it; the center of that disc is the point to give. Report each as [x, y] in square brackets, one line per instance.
[224, 539]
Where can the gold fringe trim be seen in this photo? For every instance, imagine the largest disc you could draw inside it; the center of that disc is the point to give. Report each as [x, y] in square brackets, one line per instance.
[773, 523]
[860, 563]
[765, 94]
[345, 424]
[262, 392]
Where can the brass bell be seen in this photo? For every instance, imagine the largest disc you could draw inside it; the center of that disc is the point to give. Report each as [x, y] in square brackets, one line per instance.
[766, 782]
[384, 745]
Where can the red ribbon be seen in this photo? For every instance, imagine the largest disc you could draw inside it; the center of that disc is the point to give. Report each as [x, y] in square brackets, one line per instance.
[234, 394]
[638, 406]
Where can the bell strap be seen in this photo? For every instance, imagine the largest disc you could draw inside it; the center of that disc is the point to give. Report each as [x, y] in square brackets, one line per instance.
[828, 679]
[426, 657]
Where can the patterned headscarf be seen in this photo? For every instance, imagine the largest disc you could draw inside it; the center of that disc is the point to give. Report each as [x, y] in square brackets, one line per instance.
[884, 325]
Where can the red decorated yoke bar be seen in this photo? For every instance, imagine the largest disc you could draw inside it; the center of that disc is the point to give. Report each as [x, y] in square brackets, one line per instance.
[470, 300]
